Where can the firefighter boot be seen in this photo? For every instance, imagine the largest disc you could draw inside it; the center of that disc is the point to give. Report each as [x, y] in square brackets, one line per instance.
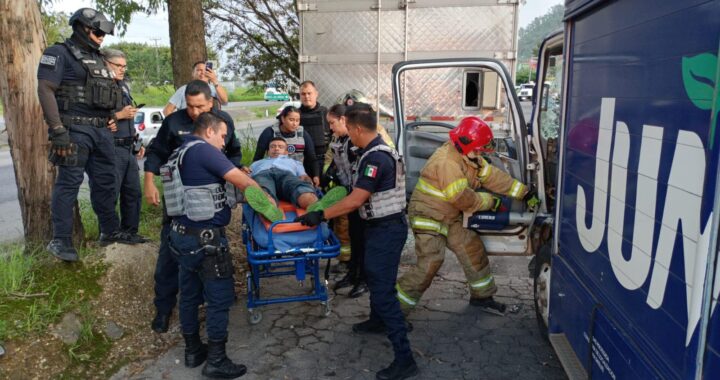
[195, 350]
[218, 365]
[489, 305]
[398, 370]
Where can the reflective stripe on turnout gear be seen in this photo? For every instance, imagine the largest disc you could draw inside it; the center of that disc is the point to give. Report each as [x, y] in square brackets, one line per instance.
[488, 200]
[453, 189]
[404, 298]
[516, 189]
[483, 283]
[485, 171]
[420, 223]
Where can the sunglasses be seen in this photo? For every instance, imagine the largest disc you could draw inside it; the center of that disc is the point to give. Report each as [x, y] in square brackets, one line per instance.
[98, 33]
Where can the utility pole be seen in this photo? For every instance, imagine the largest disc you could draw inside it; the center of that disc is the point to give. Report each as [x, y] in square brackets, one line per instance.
[157, 59]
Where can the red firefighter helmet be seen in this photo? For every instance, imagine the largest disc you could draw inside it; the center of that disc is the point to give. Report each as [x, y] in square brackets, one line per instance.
[472, 134]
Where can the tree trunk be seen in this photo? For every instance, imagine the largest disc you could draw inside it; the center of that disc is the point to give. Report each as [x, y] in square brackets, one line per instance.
[187, 38]
[22, 41]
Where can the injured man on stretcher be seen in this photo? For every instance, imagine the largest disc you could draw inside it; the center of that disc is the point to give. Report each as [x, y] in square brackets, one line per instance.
[284, 179]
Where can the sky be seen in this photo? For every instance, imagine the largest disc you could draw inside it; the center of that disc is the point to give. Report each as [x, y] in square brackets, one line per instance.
[144, 28]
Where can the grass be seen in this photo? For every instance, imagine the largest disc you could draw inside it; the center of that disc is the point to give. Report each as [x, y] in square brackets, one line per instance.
[154, 96]
[248, 143]
[242, 94]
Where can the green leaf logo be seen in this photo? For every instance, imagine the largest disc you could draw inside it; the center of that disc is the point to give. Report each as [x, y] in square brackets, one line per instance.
[700, 77]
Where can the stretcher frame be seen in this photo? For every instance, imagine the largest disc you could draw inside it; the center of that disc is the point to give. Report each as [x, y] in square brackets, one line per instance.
[268, 262]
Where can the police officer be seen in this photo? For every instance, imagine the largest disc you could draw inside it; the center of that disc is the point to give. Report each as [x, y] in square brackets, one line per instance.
[194, 180]
[379, 196]
[170, 136]
[126, 149]
[447, 187]
[77, 95]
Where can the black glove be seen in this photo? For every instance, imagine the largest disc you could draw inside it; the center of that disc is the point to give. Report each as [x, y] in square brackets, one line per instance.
[310, 219]
[60, 138]
[531, 199]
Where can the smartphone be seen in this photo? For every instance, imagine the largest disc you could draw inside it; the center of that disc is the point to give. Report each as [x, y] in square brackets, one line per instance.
[141, 105]
[208, 65]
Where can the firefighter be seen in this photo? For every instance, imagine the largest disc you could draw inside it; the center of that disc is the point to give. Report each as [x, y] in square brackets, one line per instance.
[445, 189]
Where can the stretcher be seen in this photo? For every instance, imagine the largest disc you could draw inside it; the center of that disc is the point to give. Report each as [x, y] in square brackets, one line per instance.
[285, 248]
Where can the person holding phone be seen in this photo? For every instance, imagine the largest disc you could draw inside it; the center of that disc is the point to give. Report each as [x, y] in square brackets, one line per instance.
[127, 175]
[204, 72]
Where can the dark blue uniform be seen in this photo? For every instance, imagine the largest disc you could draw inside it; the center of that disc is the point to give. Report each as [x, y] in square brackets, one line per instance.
[87, 125]
[203, 274]
[384, 241]
[127, 174]
[175, 128]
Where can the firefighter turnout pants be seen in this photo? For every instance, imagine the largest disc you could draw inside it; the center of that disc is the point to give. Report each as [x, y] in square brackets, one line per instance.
[431, 238]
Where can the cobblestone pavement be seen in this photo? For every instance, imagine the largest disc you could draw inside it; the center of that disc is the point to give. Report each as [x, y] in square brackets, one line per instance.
[451, 339]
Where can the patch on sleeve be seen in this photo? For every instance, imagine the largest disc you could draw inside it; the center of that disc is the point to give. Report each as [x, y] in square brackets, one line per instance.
[48, 60]
[371, 171]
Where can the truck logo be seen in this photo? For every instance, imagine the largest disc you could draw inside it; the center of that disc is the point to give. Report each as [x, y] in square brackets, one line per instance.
[681, 211]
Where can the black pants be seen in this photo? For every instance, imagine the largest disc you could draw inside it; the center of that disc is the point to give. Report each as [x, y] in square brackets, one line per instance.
[127, 186]
[356, 229]
[96, 158]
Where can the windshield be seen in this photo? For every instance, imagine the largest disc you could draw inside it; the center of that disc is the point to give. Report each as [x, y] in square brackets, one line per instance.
[139, 117]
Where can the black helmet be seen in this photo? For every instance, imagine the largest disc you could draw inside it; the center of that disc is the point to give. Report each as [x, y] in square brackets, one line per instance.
[92, 19]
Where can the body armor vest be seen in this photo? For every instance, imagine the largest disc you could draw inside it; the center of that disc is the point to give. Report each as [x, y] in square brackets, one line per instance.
[198, 203]
[98, 91]
[341, 157]
[388, 202]
[296, 143]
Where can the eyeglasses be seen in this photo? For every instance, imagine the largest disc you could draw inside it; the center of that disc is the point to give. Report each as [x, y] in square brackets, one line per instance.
[98, 33]
[122, 67]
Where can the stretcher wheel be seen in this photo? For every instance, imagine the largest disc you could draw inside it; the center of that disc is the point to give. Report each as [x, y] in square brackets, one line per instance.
[254, 316]
[327, 307]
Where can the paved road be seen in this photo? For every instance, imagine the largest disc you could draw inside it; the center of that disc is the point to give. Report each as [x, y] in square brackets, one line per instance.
[451, 339]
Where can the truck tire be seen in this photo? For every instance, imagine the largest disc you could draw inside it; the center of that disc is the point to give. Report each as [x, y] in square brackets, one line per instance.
[541, 288]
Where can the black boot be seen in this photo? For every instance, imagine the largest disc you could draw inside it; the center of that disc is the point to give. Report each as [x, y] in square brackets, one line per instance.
[398, 370]
[218, 366]
[344, 282]
[63, 250]
[489, 305]
[161, 322]
[358, 290]
[195, 350]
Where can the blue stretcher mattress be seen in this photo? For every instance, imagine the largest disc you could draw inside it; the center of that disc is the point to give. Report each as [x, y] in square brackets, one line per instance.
[282, 241]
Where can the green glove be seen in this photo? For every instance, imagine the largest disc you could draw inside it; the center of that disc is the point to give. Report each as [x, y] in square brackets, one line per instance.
[531, 200]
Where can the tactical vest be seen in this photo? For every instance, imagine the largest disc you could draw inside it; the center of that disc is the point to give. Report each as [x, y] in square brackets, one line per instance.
[296, 143]
[198, 203]
[341, 156]
[98, 91]
[388, 202]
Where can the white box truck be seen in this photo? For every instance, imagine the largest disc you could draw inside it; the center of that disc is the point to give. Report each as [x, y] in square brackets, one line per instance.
[353, 44]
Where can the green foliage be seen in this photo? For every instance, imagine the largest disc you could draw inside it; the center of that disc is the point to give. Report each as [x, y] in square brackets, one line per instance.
[260, 38]
[248, 142]
[147, 65]
[153, 96]
[120, 11]
[56, 26]
[48, 289]
[151, 216]
[15, 268]
[531, 36]
[242, 94]
[522, 75]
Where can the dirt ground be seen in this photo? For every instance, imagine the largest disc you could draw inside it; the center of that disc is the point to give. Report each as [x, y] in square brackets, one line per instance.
[126, 301]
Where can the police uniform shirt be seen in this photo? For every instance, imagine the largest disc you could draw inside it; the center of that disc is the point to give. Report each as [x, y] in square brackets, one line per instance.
[57, 65]
[125, 127]
[376, 172]
[309, 158]
[172, 133]
[204, 164]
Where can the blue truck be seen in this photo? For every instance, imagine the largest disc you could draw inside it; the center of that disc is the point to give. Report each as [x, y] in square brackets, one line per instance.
[622, 147]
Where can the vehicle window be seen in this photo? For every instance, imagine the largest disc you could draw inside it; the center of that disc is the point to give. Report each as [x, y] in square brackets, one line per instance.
[156, 117]
[139, 117]
[472, 90]
[551, 97]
